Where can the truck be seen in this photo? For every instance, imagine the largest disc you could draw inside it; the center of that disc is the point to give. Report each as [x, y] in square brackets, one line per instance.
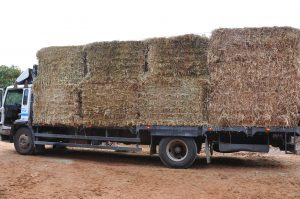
[177, 146]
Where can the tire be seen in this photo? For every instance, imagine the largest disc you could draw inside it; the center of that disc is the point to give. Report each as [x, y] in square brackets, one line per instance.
[23, 141]
[177, 152]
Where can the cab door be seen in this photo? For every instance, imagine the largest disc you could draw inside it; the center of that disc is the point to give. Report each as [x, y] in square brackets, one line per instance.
[25, 108]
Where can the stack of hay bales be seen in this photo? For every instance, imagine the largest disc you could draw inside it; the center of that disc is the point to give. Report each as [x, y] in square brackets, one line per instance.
[160, 81]
[254, 77]
[56, 95]
[173, 88]
[110, 91]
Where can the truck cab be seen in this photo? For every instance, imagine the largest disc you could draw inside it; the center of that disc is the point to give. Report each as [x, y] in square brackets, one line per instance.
[15, 104]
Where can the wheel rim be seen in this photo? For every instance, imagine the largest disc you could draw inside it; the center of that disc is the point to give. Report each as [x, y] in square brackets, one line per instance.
[24, 141]
[177, 150]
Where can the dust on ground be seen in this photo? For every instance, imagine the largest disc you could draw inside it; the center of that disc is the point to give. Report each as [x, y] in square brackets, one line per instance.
[102, 174]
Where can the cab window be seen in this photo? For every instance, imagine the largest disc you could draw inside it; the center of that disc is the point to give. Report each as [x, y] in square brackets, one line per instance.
[14, 97]
[12, 106]
[25, 97]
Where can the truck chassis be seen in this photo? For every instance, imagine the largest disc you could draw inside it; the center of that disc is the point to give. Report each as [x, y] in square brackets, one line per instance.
[178, 146]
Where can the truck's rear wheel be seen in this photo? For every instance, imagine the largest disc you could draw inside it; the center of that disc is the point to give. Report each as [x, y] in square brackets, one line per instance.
[23, 141]
[177, 152]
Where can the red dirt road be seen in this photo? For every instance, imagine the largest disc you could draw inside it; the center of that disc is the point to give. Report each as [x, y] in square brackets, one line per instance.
[101, 174]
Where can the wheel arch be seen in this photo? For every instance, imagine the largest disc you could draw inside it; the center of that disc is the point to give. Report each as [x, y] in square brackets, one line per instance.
[199, 140]
[17, 125]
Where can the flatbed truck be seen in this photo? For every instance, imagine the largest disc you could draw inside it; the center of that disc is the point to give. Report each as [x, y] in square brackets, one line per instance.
[177, 146]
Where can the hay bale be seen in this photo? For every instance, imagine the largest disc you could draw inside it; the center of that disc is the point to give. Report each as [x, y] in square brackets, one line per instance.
[254, 77]
[172, 102]
[56, 94]
[61, 65]
[56, 105]
[115, 61]
[177, 57]
[109, 93]
[173, 89]
[109, 104]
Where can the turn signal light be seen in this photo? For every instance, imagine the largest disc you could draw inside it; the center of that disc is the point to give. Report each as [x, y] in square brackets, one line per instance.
[210, 129]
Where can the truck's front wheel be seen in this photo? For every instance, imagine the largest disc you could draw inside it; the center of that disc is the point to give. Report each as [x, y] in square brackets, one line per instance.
[23, 141]
[177, 152]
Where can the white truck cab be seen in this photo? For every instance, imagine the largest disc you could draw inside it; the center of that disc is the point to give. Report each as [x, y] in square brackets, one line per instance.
[15, 104]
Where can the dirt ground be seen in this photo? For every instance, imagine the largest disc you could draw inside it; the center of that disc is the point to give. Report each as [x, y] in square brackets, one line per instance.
[101, 174]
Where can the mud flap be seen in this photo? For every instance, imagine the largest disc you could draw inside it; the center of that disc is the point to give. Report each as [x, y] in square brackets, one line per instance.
[228, 147]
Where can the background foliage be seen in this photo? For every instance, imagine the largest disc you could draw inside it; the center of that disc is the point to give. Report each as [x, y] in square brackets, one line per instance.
[8, 75]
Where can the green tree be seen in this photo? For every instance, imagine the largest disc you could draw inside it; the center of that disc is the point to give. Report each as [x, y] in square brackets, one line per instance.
[8, 75]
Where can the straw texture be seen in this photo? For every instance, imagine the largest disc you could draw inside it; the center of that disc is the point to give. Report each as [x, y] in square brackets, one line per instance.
[110, 89]
[173, 89]
[56, 93]
[254, 77]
